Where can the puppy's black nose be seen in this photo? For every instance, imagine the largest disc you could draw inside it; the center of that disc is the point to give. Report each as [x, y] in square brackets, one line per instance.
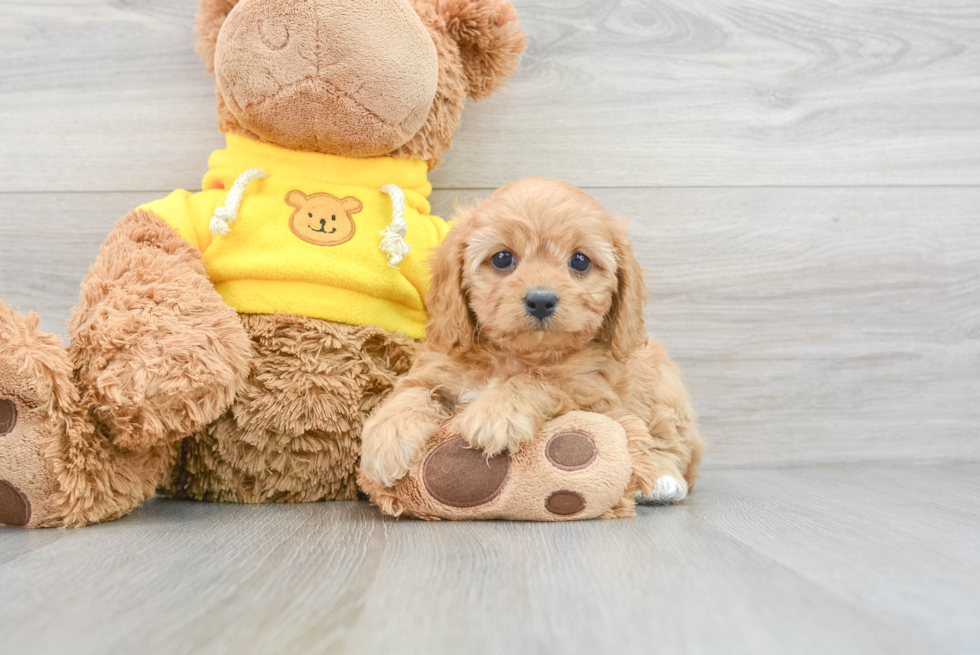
[540, 303]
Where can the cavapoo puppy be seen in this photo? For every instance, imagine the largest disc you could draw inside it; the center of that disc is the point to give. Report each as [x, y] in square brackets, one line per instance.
[536, 309]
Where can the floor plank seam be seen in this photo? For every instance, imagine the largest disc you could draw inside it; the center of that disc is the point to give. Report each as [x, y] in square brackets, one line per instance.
[746, 187]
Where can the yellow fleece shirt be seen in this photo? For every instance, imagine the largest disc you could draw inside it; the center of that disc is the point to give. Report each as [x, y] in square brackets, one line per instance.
[307, 238]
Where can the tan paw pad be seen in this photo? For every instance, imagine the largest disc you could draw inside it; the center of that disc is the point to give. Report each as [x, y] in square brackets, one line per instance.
[459, 476]
[571, 451]
[565, 503]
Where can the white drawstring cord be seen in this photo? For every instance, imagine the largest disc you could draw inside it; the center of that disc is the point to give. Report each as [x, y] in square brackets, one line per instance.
[393, 236]
[225, 215]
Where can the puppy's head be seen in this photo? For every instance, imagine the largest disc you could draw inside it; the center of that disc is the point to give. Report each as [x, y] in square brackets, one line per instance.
[538, 266]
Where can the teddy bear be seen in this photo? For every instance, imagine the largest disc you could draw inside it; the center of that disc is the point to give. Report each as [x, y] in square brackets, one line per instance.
[229, 344]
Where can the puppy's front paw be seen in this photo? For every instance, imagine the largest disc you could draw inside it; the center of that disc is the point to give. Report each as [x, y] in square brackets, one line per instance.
[387, 454]
[494, 428]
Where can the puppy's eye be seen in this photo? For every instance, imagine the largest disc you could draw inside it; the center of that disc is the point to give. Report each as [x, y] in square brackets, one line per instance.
[502, 260]
[580, 262]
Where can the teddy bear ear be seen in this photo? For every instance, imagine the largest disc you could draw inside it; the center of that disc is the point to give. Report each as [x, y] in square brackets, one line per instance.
[296, 199]
[351, 205]
[490, 40]
[211, 16]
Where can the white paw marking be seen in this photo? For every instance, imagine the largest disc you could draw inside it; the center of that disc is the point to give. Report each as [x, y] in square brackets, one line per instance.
[470, 394]
[667, 490]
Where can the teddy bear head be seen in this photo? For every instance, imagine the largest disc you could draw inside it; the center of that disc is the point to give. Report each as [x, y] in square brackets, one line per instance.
[358, 78]
[323, 219]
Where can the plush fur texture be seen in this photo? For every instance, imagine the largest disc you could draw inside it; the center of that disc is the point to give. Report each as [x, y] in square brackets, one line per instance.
[163, 384]
[292, 432]
[518, 372]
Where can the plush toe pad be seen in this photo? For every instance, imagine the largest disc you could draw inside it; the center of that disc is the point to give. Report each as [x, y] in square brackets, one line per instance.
[565, 503]
[460, 476]
[571, 451]
[14, 507]
[8, 416]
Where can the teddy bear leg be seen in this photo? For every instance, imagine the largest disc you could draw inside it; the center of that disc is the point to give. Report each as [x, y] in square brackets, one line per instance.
[56, 469]
[577, 467]
[154, 355]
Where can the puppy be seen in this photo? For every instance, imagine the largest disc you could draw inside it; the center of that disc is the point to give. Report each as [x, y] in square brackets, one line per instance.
[536, 309]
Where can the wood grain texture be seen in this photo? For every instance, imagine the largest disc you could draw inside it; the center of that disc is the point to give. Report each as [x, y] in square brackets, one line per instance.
[109, 96]
[847, 559]
[813, 325]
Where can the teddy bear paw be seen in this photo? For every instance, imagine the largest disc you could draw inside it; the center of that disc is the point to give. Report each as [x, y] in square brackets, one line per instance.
[27, 480]
[15, 508]
[577, 467]
[28, 484]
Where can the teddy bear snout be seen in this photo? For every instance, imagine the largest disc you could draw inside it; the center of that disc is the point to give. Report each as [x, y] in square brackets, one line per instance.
[312, 74]
[274, 33]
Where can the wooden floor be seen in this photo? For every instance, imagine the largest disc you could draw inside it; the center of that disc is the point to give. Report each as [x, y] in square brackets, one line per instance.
[803, 181]
[860, 558]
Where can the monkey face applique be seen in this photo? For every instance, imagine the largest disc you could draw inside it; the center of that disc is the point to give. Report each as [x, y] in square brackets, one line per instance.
[323, 219]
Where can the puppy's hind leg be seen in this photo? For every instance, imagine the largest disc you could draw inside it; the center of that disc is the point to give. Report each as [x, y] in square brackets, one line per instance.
[666, 456]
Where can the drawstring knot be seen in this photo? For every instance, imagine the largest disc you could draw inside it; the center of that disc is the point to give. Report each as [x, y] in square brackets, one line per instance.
[393, 236]
[225, 215]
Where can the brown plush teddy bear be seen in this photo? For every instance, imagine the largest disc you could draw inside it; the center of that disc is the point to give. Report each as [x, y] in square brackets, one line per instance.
[229, 344]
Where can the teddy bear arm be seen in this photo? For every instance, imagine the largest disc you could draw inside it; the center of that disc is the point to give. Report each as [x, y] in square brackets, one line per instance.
[157, 354]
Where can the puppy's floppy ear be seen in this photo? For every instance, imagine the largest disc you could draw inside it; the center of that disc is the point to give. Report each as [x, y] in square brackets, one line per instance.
[489, 37]
[450, 327]
[623, 329]
[211, 16]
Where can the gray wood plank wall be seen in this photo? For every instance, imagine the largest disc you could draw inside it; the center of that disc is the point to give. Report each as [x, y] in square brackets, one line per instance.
[803, 181]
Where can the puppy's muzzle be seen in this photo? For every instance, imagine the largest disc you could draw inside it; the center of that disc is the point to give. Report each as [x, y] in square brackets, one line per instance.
[540, 303]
